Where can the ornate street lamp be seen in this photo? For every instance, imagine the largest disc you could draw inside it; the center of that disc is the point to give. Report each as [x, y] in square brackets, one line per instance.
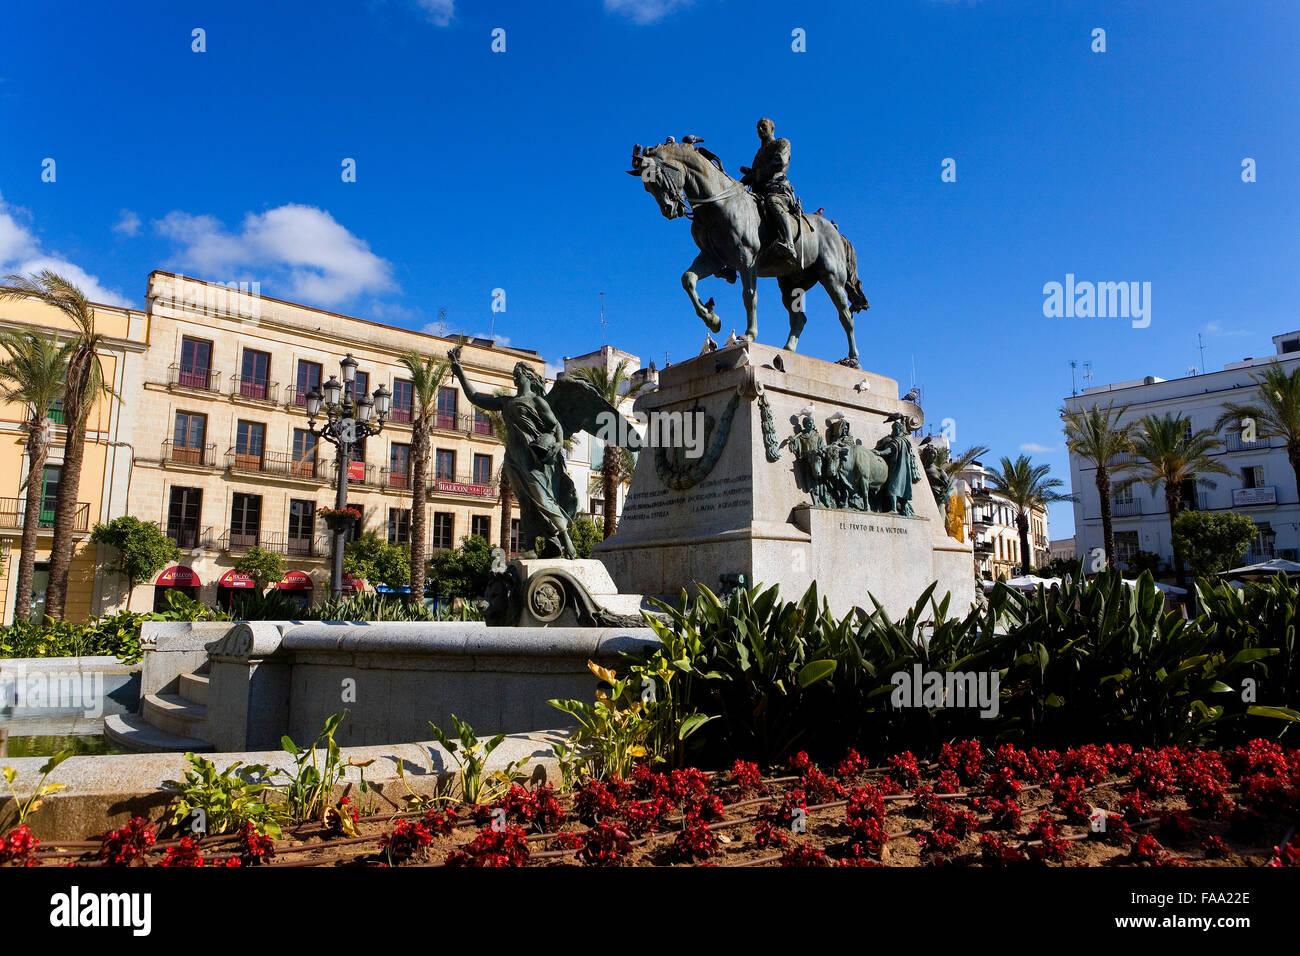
[347, 422]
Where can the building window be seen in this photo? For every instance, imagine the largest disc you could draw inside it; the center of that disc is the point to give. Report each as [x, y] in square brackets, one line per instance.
[254, 374]
[446, 408]
[443, 522]
[250, 445]
[481, 525]
[445, 465]
[514, 535]
[305, 446]
[1252, 477]
[360, 386]
[597, 506]
[399, 525]
[245, 520]
[183, 514]
[482, 423]
[399, 465]
[302, 526]
[482, 469]
[50, 481]
[187, 438]
[403, 400]
[1262, 548]
[308, 378]
[196, 363]
[1126, 545]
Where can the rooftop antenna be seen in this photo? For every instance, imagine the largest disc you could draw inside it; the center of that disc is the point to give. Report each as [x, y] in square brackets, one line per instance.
[1200, 343]
[1087, 375]
[442, 321]
[1074, 382]
[603, 323]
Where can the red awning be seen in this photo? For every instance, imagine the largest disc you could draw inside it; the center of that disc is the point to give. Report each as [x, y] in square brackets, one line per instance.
[353, 584]
[234, 579]
[296, 581]
[178, 576]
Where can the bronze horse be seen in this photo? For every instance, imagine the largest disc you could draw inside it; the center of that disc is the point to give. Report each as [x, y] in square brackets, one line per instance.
[728, 229]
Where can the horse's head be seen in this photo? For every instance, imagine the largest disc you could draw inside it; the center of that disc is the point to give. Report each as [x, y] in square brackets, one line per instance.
[662, 176]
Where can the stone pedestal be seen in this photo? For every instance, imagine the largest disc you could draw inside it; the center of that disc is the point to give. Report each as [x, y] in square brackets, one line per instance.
[557, 592]
[738, 509]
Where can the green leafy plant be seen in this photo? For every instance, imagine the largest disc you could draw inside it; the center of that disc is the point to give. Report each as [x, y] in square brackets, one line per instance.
[461, 572]
[25, 808]
[263, 566]
[1211, 541]
[612, 732]
[471, 756]
[371, 558]
[224, 801]
[311, 785]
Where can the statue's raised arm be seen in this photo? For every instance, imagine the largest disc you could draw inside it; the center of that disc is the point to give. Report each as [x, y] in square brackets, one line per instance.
[491, 403]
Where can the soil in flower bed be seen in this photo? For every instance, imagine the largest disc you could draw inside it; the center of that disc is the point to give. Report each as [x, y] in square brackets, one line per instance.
[1090, 806]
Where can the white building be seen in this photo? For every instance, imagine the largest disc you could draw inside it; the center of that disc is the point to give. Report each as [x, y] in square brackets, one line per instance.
[994, 534]
[1262, 485]
[586, 453]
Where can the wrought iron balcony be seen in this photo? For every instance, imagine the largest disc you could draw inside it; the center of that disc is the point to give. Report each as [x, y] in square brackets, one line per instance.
[13, 511]
[188, 535]
[1125, 509]
[254, 389]
[278, 463]
[199, 379]
[464, 484]
[1235, 443]
[293, 546]
[201, 456]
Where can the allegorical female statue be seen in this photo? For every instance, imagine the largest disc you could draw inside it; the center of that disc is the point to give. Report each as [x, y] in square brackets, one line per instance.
[538, 423]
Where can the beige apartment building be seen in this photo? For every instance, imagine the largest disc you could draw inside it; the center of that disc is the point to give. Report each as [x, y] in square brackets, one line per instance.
[224, 458]
[994, 532]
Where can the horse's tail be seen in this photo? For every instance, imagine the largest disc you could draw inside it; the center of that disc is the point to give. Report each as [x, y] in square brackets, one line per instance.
[852, 284]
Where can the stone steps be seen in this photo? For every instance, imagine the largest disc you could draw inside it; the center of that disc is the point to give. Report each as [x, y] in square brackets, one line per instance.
[132, 732]
[194, 688]
[174, 715]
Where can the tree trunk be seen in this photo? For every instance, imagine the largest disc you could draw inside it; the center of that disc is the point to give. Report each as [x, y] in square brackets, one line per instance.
[507, 498]
[61, 547]
[1107, 527]
[1293, 453]
[419, 473]
[1026, 555]
[610, 466]
[36, 454]
[1171, 505]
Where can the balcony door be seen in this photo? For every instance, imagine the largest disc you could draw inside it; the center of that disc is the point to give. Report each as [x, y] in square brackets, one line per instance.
[309, 377]
[183, 514]
[255, 374]
[302, 526]
[446, 408]
[250, 445]
[245, 520]
[187, 438]
[196, 363]
[50, 481]
[304, 453]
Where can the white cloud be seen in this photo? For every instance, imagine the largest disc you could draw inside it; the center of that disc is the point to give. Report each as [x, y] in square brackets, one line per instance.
[644, 11]
[390, 312]
[1035, 447]
[128, 223]
[1216, 328]
[438, 12]
[553, 369]
[21, 253]
[303, 247]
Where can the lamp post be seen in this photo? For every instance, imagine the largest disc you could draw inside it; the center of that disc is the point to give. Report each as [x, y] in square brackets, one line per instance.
[348, 420]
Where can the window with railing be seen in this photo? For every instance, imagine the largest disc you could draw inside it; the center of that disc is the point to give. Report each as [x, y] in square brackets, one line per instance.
[255, 375]
[403, 400]
[184, 511]
[445, 465]
[482, 469]
[195, 367]
[481, 525]
[250, 445]
[302, 526]
[399, 465]
[482, 423]
[308, 377]
[446, 417]
[245, 520]
[188, 434]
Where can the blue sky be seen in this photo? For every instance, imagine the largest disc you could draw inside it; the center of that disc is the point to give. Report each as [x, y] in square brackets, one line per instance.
[479, 170]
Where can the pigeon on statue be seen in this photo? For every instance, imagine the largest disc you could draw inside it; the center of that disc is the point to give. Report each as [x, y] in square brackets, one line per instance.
[914, 395]
[732, 339]
[709, 345]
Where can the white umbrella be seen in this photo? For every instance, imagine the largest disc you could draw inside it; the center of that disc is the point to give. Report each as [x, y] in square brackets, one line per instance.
[1166, 588]
[1032, 582]
[1265, 569]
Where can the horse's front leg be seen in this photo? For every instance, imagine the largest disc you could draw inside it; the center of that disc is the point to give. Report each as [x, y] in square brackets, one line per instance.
[704, 265]
[749, 290]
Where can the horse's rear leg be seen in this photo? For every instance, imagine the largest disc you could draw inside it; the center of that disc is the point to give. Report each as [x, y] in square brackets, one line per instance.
[704, 265]
[749, 290]
[792, 297]
[835, 289]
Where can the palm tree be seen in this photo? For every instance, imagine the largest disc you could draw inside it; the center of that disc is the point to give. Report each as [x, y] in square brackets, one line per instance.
[85, 384]
[959, 461]
[1096, 436]
[1026, 488]
[32, 375]
[427, 377]
[1168, 452]
[1276, 416]
[608, 384]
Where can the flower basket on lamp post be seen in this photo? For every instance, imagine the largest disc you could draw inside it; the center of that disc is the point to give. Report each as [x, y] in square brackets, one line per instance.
[340, 519]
